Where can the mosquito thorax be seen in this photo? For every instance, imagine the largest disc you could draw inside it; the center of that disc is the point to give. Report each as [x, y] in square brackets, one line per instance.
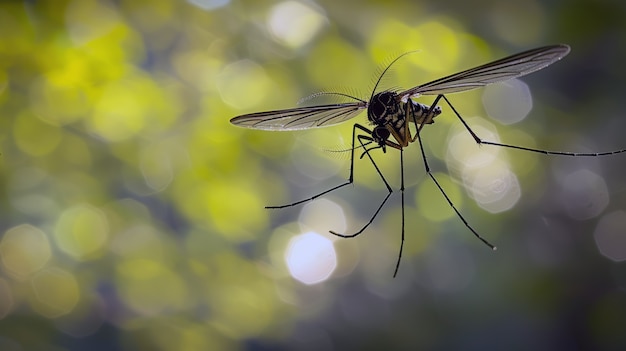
[381, 106]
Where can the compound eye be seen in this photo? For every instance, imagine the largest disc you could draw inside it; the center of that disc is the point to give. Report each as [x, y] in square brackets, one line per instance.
[386, 98]
[377, 111]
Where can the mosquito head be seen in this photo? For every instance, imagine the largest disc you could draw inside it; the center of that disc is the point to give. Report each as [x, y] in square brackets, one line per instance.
[380, 135]
[382, 105]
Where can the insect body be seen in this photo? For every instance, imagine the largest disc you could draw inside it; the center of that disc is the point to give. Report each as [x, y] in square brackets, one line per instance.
[392, 118]
[392, 113]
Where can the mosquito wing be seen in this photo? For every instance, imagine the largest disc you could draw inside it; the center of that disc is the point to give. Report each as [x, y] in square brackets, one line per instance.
[497, 71]
[300, 117]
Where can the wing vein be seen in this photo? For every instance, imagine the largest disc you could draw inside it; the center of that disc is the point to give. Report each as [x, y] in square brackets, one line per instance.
[300, 117]
[497, 71]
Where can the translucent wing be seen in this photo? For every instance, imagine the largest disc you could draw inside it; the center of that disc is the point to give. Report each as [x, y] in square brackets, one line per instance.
[497, 71]
[300, 117]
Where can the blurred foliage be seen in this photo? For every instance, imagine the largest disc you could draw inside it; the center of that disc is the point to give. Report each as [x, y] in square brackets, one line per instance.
[132, 211]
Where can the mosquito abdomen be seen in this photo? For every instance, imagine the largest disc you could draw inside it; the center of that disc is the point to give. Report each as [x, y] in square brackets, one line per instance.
[420, 112]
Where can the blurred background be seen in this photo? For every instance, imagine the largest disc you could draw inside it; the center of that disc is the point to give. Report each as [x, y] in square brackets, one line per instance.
[132, 212]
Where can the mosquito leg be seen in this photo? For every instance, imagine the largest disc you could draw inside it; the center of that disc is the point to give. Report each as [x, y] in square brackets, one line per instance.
[408, 113]
[350, 178]
[361, 137]
[395, 272]
[427, 167]
[479, 141]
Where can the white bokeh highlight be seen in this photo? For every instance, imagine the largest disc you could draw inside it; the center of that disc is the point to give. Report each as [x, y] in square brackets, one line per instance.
[485, 170]
[311, 258]
[322, 216]
[508, 102]
[610, 236]
[586, 194]
[495, 188]
[294, 24]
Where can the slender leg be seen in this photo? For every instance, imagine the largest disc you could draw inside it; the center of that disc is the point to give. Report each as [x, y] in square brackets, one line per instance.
[427, 167]
[395, 272]
[350, 178]
[479, 141]
[361, 138]
[408, 114]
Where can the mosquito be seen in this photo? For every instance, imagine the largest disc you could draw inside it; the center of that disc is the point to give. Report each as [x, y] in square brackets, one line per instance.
[390, 114]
